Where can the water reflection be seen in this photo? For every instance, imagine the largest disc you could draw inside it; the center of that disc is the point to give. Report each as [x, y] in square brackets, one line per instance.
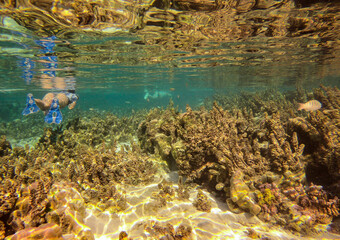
[28, 65]
[113, 71]
[62, 90]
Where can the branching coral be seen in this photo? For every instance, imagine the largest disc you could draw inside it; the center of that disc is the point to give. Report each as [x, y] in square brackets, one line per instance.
[255, 163]
[207, 146]
[285, 153]
[93, 132]
[256, 104]
[248, 160]
[32, 206]
[320, 132]
[5, 146]
[202, 202]
[93, 169]
[8, 199]
[210, 146]
[330, 97]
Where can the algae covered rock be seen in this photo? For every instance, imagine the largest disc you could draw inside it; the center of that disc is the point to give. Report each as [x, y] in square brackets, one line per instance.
[241, 194]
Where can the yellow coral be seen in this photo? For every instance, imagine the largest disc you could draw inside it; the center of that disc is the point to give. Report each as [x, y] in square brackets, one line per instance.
[268, 196]
[265, 197]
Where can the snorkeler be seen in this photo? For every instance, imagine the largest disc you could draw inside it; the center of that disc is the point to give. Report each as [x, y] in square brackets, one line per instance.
[51, 105]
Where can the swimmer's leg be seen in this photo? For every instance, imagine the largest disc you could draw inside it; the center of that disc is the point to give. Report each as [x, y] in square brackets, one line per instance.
[54, 114]
[31, 107]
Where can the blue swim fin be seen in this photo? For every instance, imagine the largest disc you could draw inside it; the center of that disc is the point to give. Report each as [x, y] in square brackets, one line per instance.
[54, 114]
[31, 107]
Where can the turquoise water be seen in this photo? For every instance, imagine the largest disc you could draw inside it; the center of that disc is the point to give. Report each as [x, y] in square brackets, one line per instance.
[118, 74]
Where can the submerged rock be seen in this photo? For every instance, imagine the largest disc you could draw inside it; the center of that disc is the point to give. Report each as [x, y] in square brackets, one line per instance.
[241, 194]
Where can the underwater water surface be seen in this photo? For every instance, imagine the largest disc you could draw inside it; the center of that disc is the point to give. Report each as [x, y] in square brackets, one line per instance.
[200, 140]
[115, 73]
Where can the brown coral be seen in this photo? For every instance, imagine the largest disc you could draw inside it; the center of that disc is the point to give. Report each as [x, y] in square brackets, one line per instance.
[5, 146]
[206, 146]
[320, 132]
[31, 207]
[255, 163]
[285, 153]
[202, 202]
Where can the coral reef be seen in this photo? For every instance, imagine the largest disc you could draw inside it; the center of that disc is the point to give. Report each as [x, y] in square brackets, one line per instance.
[166, 231]
[202, 202]
[269, 198]
[259, 162]
[206, 146]
[168, 193]
[313, 199]
[5, 146]
[241, 195]
[33, 179]
[286, 200]
[91, 131]
[256, 104]
[253, 162]
[320, 132]
[188, 26]
[8, 199]
[97, 170]
[31, 207]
